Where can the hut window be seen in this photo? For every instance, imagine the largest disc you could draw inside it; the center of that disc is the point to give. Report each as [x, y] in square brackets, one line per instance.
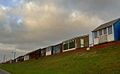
[42, 52]
[48, 49]
[110, 30]
[56, 49]
[95, 34]
[72, 44]
[105, 31]
[100, 32]
[82, 42]
[65, 46]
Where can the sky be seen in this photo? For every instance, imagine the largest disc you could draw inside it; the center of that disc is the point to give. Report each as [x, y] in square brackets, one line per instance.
[26, 25]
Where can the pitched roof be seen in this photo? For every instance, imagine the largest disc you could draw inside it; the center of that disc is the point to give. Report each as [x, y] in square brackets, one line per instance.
[76, 37]
[106, 25]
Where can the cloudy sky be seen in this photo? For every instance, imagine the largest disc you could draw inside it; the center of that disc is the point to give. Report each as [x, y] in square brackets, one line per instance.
[26, 25]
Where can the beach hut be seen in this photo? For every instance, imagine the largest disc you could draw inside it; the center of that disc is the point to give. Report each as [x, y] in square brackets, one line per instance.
[20, 59]
[107, 32]
[32, 55]
[77, 42]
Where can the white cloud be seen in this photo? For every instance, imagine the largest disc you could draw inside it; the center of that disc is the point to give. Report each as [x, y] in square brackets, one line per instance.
[79, 18]
[48, 23]
[10, 48]
[2, 12]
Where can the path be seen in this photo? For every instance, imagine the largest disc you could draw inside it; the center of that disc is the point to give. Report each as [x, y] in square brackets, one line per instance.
[3, 72]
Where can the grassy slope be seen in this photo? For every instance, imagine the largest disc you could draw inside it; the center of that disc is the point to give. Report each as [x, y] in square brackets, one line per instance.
[104, 61]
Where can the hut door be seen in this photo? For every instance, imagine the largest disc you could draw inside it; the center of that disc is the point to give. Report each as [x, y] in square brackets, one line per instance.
[103, 36]
[82, 42]
[119, 34]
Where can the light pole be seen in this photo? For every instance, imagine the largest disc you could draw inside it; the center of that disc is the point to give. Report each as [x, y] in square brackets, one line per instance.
[0, 58]
[4, 56]
[14, 54]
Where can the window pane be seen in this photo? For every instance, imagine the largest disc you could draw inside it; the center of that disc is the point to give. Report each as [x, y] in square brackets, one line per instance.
[56, 49]
[95, 34]
[42, 52]
[48, 49]
[82, 42]
[100, 32]
[105, 31]
[110, 30]
[66, 46]
[72, 44]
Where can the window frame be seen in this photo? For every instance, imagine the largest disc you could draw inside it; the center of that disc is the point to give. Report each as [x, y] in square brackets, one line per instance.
[82, 42]
[66, 46]
[95, 34]
[71, 42]
[110, 30]
[105, 31]
[100, 32]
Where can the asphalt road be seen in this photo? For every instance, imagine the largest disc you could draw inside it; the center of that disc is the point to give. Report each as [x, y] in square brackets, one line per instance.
[3, 72]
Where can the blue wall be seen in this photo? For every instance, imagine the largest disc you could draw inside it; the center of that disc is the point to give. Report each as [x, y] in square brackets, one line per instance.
[117, 31]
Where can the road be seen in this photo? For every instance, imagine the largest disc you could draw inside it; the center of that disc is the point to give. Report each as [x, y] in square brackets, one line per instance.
[3, 72]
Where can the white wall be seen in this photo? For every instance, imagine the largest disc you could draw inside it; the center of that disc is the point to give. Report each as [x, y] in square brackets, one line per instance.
[110, 37]
[26, 57]
[48, 51]
[96, 41]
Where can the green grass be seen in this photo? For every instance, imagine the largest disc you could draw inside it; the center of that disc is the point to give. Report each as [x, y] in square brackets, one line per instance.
[103, 61]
